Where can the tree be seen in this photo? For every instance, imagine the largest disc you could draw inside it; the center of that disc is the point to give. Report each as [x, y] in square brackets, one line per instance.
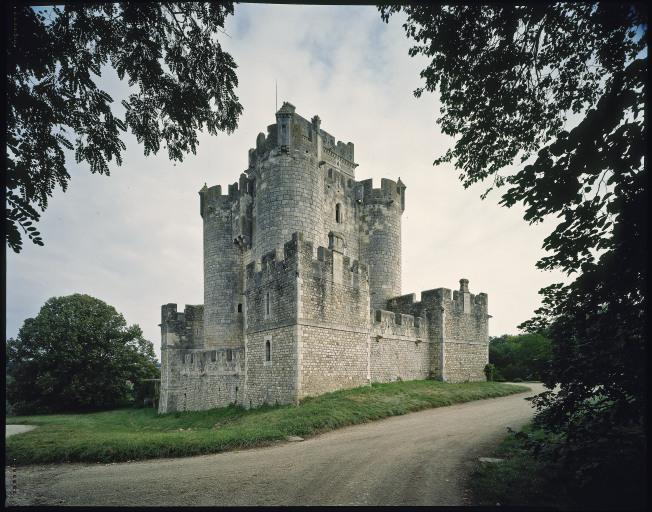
[524, 356]
[182, 82]
[77, 354]
[512, 80]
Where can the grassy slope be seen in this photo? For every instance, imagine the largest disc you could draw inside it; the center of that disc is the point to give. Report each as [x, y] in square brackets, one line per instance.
[130, 434]
[520, 480]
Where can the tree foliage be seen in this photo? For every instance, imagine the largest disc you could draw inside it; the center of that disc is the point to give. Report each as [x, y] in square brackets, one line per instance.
[522, 357]
[546, 101]
[77, 354]
[182, 81]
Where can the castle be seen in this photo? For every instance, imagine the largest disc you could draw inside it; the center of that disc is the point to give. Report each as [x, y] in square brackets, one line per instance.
[302, 283]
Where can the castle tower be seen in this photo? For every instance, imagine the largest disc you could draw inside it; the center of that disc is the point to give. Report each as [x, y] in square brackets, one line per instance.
[380, 238]
[288, 194]
[223, 309]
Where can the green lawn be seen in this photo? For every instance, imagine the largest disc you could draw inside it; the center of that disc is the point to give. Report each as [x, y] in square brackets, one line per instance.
[130, 434]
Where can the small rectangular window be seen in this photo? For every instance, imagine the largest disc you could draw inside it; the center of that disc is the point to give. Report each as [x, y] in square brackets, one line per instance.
[229, 354]
[213, 356]
[239, 308]
[267, 307]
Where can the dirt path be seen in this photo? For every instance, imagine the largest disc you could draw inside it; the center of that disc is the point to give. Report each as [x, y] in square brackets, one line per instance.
[12, 430]
[421, 458]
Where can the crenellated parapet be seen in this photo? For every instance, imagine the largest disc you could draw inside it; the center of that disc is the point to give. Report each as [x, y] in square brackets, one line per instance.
[461, 301]
[397, 325]
[329, 265]
[224, 361]
[181, 330]
[390, 192]
[212, 201]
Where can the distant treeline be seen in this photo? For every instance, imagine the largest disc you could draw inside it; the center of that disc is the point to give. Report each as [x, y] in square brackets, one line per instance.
[521, 357]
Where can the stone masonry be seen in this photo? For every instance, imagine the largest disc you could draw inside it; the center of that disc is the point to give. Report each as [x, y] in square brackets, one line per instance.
[302, 283]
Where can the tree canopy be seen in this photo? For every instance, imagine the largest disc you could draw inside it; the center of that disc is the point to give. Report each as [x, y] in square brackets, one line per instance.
[523, 357]
[182, 81]
[77, 354]
[546, 101]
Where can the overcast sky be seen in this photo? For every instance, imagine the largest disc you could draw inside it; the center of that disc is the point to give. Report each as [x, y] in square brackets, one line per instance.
[134, 239]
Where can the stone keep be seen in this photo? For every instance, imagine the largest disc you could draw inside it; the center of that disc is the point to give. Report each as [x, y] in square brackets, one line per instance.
[302, 283]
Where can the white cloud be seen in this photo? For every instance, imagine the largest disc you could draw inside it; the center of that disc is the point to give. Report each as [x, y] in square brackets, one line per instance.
[134, 239]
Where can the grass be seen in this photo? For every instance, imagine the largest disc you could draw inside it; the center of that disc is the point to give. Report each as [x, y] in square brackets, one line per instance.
[519, 480]
[523, 480]
[132, 434]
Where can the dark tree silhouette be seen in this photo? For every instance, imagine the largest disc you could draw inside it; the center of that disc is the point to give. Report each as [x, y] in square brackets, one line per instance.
[182, 82]
[513, 80]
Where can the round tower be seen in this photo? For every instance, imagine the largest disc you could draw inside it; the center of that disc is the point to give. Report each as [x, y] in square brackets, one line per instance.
[288, 187]
[223, 317]
[380, 238]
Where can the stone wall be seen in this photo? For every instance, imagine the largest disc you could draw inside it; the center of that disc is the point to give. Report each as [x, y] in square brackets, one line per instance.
[466, 336]
[274, 381]
[457, 325]
[339, 189]
[288, 198]
[399, 347]
[333, 322]
[271, 316]
[197, 379]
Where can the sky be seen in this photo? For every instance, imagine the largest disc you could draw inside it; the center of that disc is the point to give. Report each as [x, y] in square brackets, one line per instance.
[134, 238]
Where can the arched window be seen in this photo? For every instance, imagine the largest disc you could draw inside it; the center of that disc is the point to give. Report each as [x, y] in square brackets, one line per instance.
[268, 350]
[338, 213]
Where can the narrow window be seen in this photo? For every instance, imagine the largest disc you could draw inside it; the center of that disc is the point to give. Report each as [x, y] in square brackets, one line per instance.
[267, 304]
[330, 173]
[229, 354]
[268, 351]
[213, 356]
[338, 213]
[239, 308]
[192, 359]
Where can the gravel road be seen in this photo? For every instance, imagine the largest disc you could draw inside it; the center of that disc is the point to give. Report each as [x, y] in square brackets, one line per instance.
[421, 458]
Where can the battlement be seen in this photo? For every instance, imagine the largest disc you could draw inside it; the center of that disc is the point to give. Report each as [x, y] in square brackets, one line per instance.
[341, 269]
[444, 298]
[390, 191]
[215, 361]
[390, 324]
[293, 130]
[169, 313]
[181, 329]
[327, 264]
